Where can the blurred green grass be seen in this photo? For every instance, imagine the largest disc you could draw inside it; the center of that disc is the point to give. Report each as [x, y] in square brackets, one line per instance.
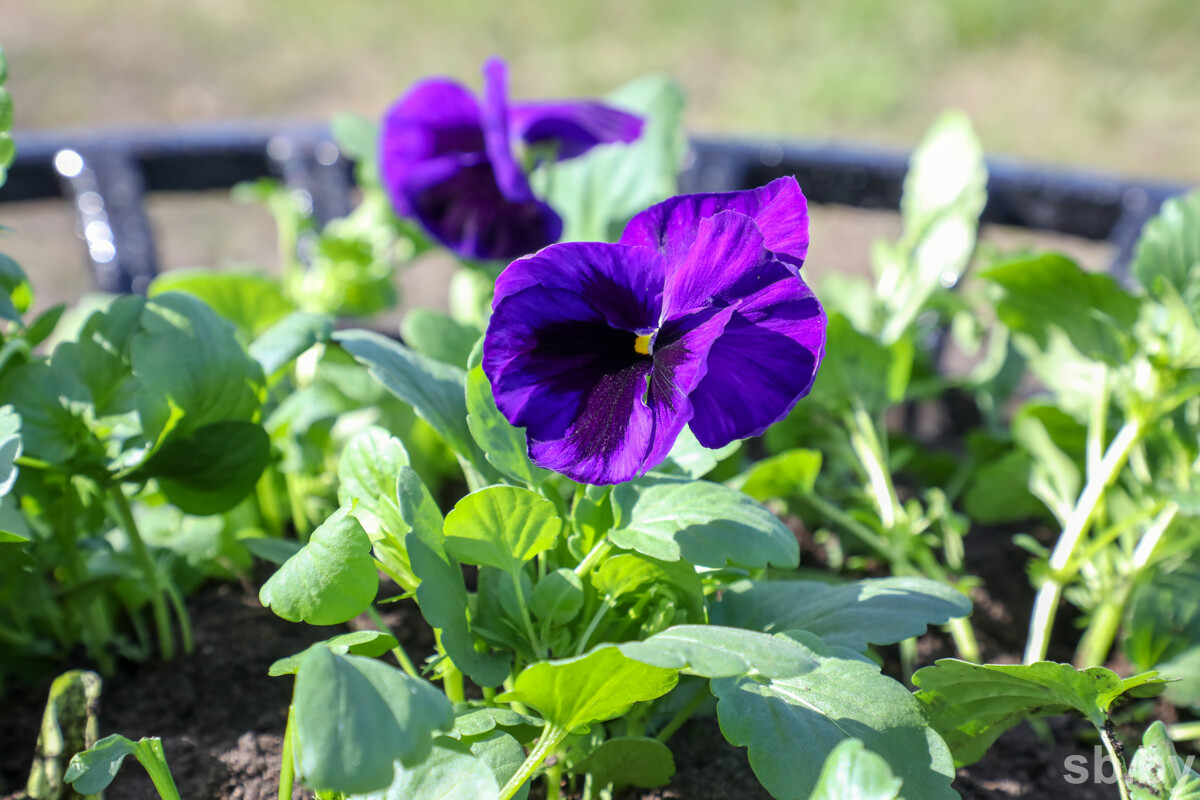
[1112, 84]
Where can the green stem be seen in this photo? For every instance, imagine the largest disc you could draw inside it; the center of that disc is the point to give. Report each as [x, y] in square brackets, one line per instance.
[851, 525]
[550, 739]
[686, 712]
[1045, 605]
[398, 651]
[452, 677]
[554, 774]
[1108, 737]
[181, 614]
[287, 766]
[158, 601]
[526, 618]
[599, 551]
[1184, 731]
[605, 606]
[296, 502]
[149, 754]
[965, 642]
[869, 449]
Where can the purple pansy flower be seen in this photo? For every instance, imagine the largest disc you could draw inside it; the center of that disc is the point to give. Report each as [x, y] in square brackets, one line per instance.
[452, 162]
[697, 317]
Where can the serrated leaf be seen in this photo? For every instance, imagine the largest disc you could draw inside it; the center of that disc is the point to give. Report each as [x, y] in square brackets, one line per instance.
[970, 705]
[713, 651]
[367, 473]
[706, 524]
[356, 717]
[791, 725]
[501, 527]
[331, 579]
[442, 592]
[1157, 772]
[595, 687]
[503, 445]
[629, 761]
[852, 615]
[370, 644]
[852, 772]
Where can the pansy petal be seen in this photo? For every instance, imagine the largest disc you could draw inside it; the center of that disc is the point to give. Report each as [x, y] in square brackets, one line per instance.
[496, 131]
[458, 201]
[726, 264]
[544, 353]
[631, 418]
[437, 117]
[572, 126]
[779, 209]
[765, 361]
[624, 283]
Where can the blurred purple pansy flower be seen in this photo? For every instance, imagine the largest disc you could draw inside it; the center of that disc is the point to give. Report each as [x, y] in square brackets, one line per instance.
[454, 162]
[697, 317]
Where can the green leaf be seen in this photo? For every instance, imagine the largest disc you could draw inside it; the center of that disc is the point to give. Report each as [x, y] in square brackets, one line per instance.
[436, 335]
[474, 723]
[451, 772]
[712, 651]
[69, 724]
[557, 597]
[851, 615]
[436, 391]
[40, 329]
[10, 448]
[442, 592]
[367, 474]
[693, 460]
[706, 524]
[355, 717]
[1168, 251]
[501, 527]
[597, 193]
[858, 368]
[970, 705]
[999, 493]
[792, 473]
[1164, 617]
[213, 469]
[629, 761]
[1158, 773]
[251, 301]
[91, 771]
[51, 403]
[286, 340]
[16, 293]
[503, 754]
[187, 357]
[1057, 443]
[370, 644]
[331, 579]
[852, 772]
[594, 687]
[1050, 291]
[1185, 669]
[627, 573]
[504, 445]
[791, 725]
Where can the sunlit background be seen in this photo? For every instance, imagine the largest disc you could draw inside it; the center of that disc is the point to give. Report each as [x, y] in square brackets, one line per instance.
[1110, 85]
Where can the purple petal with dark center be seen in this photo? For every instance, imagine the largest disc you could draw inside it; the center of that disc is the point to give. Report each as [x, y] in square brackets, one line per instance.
[437, 117]
[779, 209]
[726, 264]
[495, 116]
[631, 417]
[624, 283]
[457, 199]
[573, 126]
[764, 362]
[545, 352]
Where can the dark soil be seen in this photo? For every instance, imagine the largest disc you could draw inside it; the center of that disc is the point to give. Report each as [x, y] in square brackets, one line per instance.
[221, 720]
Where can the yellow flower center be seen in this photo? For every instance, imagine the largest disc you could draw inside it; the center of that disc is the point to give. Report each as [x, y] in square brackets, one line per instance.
[642, 344]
